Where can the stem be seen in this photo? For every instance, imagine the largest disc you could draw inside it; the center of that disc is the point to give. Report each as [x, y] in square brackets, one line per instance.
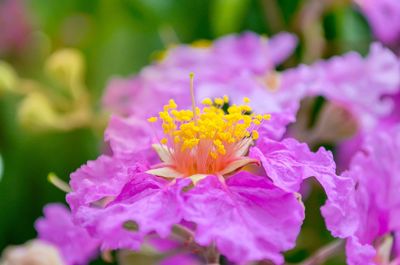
[183, 232]
[273, 15]
[212, 256]
[210, 253]
[324, 253]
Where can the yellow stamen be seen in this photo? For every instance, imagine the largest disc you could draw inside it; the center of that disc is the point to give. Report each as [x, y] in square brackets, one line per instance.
[207, 101]
[267, 117]
[255, 135]
[226, 99]
[202, 141]
[152, 119]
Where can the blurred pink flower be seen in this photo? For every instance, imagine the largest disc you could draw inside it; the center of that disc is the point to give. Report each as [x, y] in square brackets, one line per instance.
[15, 27]
[363, 88]
[383, 17]
[34, 252]
[235, 65]
[375, 202]
[76, 246]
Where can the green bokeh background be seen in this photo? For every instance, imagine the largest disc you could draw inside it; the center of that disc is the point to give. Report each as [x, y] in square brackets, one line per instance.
[118, 38]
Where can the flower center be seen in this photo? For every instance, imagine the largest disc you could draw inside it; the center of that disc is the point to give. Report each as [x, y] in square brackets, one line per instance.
[207, 140]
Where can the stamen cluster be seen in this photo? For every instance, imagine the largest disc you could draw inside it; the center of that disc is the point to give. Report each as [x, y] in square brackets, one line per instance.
[205, 140]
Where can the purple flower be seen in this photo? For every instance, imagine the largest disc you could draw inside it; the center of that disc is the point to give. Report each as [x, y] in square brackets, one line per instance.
[383, 17]
[15, 28]
[73, 242]
[356, 89]
[236, 65]
[209, 181]
[374, 204]
[359, 83]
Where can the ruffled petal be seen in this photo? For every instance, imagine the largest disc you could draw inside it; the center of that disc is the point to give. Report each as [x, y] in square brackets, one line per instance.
[359, 254]
[288, 163]
[146, 204]
[74, 242]
[130, 137]
[100, 179]
[248, 218]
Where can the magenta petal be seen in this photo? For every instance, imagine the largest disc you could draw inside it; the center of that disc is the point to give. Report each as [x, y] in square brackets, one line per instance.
[383, 17]
[149, 203]
[376, 170]
[99, 179]
[117, 95]
[130, 136]
[74, 242]
[289, 162]
[248, 218]
[281, 46]
[359, 254]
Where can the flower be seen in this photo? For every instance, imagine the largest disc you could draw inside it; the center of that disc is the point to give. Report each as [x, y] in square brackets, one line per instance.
[209, 181]
[15, 27]
[35, 252]
[374, 203]
[57, 229]
[356, 89]
[383, 17]
[235, 65]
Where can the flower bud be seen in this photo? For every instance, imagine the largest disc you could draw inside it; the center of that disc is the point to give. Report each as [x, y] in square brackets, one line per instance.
[35, 252]
[67, 67]
[8, 77]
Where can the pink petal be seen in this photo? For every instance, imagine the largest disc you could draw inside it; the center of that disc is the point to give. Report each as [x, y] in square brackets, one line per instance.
[359, 254]
[74, 242]
[100, 179]
[150, 202]
[248, 218]
[288, 163]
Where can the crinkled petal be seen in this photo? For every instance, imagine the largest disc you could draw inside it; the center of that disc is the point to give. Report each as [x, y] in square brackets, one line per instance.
[130, 137]
[146, 204]
[359, 254]
[100, 179]
[376, 170]
[345, 80]
[289, 162]
[74, 242]
[248, 218]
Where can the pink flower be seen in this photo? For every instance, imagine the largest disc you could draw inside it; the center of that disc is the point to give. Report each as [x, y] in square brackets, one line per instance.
[204, 177]
[384, 18]
[375, 201]
[236, 65]
[73, 242]
[15, 28]
[359, 84]
[356, 89]
[34, 252]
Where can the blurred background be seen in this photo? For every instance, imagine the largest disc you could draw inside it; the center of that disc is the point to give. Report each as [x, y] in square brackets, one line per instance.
[44, 129]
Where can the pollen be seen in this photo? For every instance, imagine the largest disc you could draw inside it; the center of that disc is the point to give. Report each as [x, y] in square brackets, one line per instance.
[152, 119]
[203, 140]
